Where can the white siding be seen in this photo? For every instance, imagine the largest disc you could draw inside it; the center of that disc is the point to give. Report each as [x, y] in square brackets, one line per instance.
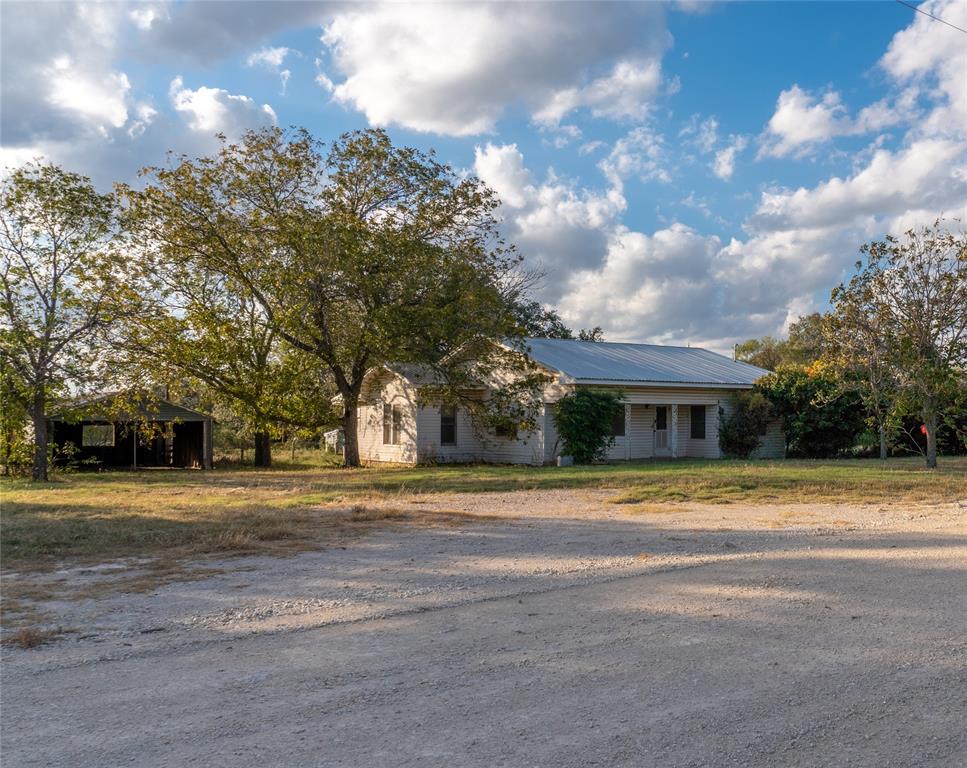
[397, 393]
[430, 448]
[528, 448]
[642, 431]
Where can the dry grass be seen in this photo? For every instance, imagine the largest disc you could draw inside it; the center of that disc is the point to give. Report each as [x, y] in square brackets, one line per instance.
[33, 637]
[178, 515]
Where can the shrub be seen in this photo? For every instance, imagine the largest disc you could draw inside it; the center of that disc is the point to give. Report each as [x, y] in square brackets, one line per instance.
[584, 420]
[740, 432]
[820, 417]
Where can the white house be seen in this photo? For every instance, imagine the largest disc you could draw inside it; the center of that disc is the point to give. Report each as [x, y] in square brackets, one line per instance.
[672, 396]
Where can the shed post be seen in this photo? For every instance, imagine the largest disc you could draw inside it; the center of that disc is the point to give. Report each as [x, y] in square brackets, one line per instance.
[207, 451]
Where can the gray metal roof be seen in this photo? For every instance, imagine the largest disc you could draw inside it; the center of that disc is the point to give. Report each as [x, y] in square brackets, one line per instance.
[610, 362]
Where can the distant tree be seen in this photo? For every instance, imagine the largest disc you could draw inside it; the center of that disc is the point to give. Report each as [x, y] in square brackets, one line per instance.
[591, 334]
[803, 347]
[741, 430]
[538, 321]
[60, 286]
[366, 254]
[767, 352]
[584, 421]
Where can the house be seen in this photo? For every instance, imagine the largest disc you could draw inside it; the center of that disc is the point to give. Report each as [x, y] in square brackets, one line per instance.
[148, 432]
[673, 397]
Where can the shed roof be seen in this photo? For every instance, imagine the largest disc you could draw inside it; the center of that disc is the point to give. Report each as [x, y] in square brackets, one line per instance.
[110, 408]
[618, 363]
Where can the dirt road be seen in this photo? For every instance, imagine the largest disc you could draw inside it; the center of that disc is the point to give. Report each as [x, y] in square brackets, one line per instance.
[572, 633]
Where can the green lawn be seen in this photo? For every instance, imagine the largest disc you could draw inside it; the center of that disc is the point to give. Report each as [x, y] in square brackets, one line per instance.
[300, 504]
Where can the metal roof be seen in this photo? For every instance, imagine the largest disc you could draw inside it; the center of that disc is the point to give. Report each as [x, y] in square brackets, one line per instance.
[616, 363]
[151, 409]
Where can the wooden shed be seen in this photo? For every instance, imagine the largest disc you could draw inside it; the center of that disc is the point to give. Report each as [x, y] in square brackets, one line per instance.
[149, 433]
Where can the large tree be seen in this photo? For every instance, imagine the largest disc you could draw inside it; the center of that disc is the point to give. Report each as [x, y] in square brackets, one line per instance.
[360, 255]
[59, 286]
[914, 288]
[193, 322]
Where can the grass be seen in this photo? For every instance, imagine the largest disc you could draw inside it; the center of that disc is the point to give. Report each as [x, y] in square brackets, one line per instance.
[179, 514]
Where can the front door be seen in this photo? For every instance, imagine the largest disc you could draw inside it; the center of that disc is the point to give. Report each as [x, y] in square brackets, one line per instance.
[661, 431]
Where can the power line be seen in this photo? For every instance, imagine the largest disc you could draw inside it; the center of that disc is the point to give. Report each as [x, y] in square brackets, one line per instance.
[935, 18]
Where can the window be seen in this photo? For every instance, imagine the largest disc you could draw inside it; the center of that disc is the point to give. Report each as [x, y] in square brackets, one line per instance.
[392, 424]
[448, 425]
[97, 435]
[661, 417]
[618, 424]
[764, 429]
[698, 422]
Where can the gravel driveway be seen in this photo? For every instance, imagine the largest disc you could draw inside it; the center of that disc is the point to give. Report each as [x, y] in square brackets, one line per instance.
[562, 631]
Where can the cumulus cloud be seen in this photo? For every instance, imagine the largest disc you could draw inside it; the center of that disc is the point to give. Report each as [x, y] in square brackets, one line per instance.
[557, 225]
[928, 173]
[640, 153]
[214, 110]
[724, 164]
[456, 68]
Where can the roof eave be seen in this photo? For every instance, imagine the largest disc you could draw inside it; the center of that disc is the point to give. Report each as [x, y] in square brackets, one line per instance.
[659, 384]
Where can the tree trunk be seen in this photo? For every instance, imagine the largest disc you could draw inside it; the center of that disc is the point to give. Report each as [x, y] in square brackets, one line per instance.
[930, 422]
[350, 424]
[39, 415]
[882, 441]
[263, 449]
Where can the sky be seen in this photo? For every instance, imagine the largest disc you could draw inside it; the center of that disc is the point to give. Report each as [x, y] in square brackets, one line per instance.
[681, 173]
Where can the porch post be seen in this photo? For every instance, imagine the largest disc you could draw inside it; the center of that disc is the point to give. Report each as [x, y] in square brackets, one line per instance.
[674, 427]
[627, 431]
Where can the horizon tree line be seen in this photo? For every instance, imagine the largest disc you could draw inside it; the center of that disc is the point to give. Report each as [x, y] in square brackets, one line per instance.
[273, 274]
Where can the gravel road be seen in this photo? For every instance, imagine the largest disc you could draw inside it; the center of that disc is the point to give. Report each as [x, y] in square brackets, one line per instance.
[565, 632]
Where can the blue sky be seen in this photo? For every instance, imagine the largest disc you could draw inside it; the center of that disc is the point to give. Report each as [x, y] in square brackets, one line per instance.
[681, 172]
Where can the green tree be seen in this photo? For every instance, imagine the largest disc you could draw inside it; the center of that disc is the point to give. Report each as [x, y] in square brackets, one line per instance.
[584, 421]
[366, 254]
[857, 350]
[190, 321]
[914, 288]
[59, 286]
[820, 417]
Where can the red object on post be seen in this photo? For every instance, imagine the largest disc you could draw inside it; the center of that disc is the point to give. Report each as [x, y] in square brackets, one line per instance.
[923, 429]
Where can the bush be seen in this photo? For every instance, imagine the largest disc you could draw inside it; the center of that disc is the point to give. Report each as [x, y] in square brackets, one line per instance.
[820, 417]
[584, 419]
[740, 432]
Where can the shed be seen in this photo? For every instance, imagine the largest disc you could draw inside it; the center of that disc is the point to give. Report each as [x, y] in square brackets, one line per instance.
[149, 432]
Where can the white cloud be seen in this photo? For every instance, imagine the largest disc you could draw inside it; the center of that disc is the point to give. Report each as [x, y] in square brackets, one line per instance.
[455, 68]
[557, 225]
[932, 56]
[724, 164]
[928, 173]
[98, 98]
[625, 93]
[641, 153]
[212, 110]
[270, 58]
[648, 287]
[702, 134]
